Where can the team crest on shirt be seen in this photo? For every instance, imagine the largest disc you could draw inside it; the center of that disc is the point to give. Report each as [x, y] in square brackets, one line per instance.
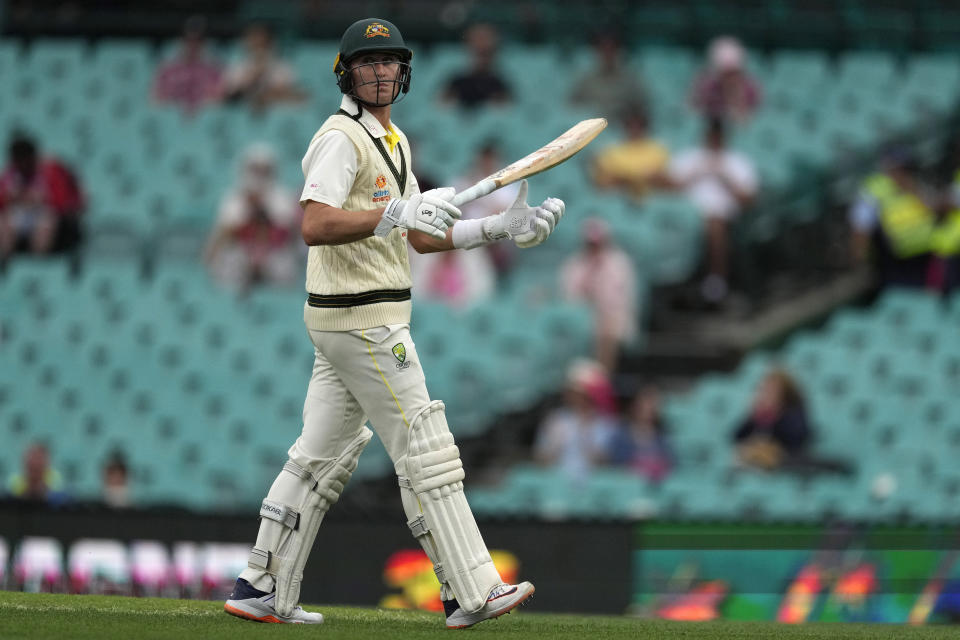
[377, 29]
[400, 353]
[382, 194]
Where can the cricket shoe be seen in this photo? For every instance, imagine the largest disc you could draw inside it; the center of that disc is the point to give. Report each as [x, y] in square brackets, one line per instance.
[502, 599]
[253, 604]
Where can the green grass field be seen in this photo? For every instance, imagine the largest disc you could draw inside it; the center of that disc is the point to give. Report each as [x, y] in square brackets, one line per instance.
[65, 616]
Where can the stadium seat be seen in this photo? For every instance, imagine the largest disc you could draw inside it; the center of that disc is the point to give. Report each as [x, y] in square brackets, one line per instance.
[56, 59]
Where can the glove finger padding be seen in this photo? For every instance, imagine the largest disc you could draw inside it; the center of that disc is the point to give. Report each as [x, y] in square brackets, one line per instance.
[556, 207]
[548, 216]
[539, 231]
[433, 208]
[441, 199]
[430, 215]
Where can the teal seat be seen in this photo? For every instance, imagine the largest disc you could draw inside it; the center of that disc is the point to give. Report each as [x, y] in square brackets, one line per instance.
[866, 70]
[56, 59]
[934, 80]
[127, 65]
[308, 57]
[909, 308]
[34, 278]
[796, 67]
[9, 59]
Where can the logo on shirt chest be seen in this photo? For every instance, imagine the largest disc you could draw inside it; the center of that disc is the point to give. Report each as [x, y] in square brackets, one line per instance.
[381, 194]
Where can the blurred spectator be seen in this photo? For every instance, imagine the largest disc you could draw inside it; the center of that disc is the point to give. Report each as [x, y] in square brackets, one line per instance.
[893, 219]
[261, 79]
[459, 279]
[776, 431]
[641, 443]
[576, 436]
[725, 90]
[40, 202]
[191, 79]
[253, 238]
[480, 84]
[603, 276]
[945, 243]
[633, 164]
[610, 87]
[721, 183]
[487, 162]
[38, 481]
[116, 487]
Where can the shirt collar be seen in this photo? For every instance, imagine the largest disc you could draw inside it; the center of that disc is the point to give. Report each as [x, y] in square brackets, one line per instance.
[370, 123]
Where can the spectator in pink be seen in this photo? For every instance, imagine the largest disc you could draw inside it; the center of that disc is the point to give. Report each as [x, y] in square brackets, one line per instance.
[725, 89]
[191, 79]
[576, 436]
[641, 443]
[603, 276]
[40, 203]
[459, 279]
[253, 239]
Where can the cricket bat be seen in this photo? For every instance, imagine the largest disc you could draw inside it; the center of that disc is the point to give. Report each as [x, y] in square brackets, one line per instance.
[546, 157]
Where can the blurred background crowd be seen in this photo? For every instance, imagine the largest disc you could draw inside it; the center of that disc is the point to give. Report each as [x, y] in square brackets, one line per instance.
[749, 314]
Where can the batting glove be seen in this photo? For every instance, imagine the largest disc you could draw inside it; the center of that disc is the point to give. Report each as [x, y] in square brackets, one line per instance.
[429, 212]
[527, 226]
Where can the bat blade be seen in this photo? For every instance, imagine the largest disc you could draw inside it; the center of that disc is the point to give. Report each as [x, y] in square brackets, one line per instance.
[546, 157]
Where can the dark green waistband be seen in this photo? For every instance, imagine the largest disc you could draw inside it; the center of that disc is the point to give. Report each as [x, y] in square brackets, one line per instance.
[341, 300]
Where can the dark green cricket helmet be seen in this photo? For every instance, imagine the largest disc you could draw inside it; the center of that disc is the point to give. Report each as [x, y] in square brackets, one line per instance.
[366, 36]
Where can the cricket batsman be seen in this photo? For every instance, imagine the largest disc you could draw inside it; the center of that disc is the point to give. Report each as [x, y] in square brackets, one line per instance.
[361, 207]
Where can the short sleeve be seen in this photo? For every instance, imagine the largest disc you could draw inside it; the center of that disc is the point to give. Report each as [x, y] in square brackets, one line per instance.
[329, 169]
[684, 166]
[232, 212]
[743, 173]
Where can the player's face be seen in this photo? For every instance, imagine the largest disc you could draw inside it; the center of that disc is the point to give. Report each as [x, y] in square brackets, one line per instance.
[375, 77]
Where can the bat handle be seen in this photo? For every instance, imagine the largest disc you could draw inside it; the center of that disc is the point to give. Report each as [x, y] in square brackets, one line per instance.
[478, 190]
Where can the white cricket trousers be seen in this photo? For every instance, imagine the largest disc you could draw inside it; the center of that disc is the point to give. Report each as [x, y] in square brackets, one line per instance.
[358, 375]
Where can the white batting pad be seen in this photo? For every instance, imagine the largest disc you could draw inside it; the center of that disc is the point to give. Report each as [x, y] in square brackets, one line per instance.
[439, 515]
[290, 517]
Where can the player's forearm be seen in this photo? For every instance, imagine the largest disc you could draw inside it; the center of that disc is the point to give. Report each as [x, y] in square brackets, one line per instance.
[326, 225]
[425, 243]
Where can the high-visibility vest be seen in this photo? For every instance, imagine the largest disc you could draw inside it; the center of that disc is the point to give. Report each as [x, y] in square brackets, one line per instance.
[906, 220]
[945, 239]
